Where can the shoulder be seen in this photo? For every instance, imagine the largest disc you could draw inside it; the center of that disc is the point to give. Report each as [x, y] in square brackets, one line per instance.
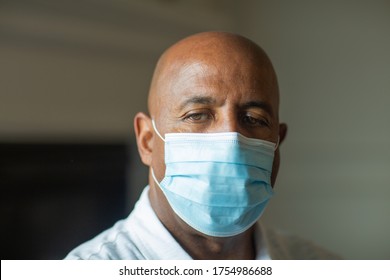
[122, 241]
[114, 243]
[286, 246]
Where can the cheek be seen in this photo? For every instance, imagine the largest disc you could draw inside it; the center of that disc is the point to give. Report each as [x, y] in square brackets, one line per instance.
[158, 162]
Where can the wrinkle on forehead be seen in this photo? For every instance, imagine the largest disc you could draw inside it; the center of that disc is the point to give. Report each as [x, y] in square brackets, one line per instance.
[189, 74]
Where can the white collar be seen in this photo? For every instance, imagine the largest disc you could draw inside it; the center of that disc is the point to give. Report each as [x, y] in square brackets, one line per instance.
[153, 239]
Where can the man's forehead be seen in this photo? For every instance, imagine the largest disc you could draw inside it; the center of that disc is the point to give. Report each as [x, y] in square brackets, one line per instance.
[196, 83]
[196, 77]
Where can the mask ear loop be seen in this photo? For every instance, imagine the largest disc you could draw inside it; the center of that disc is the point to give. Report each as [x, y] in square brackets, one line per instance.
[277, 144]
[159, 135]
[154, 177]
[155, 129]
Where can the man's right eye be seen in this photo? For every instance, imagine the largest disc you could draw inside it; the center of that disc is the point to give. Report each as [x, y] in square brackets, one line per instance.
[198, 117]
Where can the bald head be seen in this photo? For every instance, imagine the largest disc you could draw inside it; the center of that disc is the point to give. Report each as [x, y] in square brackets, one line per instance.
[217, 52]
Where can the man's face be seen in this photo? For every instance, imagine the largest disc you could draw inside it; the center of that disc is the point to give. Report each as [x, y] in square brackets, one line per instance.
[216, 95]
[207, 83]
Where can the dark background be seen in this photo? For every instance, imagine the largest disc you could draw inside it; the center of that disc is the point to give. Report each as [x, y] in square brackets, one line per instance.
[56, 196]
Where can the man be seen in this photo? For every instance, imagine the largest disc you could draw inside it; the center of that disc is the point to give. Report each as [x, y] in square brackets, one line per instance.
[211, 141]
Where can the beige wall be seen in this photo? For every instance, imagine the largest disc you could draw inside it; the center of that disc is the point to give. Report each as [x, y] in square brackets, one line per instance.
[80, 72]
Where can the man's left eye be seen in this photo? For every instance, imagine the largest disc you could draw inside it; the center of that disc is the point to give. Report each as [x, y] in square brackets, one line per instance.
[252, 121]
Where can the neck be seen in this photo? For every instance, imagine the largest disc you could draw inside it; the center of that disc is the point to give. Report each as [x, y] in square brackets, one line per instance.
[198, 246]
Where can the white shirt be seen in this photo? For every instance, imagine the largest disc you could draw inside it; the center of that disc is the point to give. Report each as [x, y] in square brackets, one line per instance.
[142, 236]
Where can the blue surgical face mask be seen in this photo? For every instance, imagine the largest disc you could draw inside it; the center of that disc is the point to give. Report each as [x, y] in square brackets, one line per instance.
[218, 183]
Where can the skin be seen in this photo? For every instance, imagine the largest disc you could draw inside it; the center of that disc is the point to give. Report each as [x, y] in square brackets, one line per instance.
[209, 82]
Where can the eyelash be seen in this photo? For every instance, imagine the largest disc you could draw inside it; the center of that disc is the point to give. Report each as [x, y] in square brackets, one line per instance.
[258, 122]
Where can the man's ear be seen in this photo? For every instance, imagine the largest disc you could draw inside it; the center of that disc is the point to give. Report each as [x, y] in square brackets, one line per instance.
[282, 132]
[144, 135]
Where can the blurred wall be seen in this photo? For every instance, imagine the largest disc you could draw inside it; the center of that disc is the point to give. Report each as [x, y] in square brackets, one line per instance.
[80, 70]
[333, 65]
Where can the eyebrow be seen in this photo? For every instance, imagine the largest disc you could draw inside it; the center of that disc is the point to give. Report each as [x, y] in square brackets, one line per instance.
[204, 100]
[259, 104]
